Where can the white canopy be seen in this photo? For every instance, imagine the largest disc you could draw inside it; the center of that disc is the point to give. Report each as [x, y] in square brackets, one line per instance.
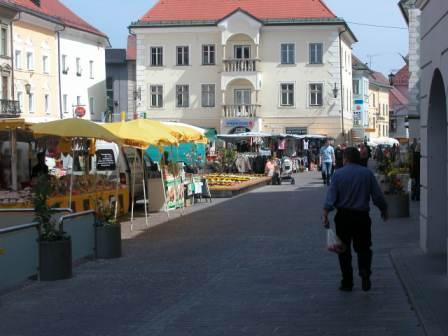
[385, 141]
[245, 135]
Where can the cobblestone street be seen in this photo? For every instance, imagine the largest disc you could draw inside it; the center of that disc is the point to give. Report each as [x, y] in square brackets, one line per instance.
[253, 265]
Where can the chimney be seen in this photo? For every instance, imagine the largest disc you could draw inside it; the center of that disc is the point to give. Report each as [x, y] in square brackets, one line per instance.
[36, 2]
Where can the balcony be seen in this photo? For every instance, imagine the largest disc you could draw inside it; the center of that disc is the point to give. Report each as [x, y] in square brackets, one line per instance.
[9, 108]
[240, 111]
[240, 65]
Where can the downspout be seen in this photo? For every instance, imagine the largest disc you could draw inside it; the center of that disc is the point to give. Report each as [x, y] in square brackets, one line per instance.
[12, 54]
[58, 32]
[342, 84]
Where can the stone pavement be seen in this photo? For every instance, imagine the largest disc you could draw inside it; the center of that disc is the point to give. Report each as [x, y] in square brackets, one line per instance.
[252, 265]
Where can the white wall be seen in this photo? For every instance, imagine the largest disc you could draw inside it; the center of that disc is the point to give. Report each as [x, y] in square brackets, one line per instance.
[88, 48]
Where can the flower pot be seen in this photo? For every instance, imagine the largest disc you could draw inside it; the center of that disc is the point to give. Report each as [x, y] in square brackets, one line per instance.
[398, 205]
[108, 241]
[55, 260]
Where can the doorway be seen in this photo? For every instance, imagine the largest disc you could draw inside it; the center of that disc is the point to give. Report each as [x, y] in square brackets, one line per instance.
[243, 101]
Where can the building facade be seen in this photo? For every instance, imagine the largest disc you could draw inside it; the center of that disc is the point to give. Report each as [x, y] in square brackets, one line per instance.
[379, 90]
[255, 67]
[399, 102]
[433, 131]
[361, 119]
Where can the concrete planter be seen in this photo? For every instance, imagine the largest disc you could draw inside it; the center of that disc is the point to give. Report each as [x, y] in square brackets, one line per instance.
[55, 260]
[398, 205]
[108, 241]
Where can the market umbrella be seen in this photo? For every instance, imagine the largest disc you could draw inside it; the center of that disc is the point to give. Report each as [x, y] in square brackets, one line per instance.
[75, 128]
[189, 133]
[142, 133]
[385, 141]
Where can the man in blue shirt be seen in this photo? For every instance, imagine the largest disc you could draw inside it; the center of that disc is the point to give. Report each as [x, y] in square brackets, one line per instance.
[327, 160]
[351, 189]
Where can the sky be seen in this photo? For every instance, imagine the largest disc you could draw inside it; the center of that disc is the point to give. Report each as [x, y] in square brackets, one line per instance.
[380, 47]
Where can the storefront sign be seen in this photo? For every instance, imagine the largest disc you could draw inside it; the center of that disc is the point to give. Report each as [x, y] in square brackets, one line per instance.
[105, 160]
[297, 130]
[358, 110]
[247, 123]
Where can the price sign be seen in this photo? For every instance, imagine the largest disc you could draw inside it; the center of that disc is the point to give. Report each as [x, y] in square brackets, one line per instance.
[105, 159]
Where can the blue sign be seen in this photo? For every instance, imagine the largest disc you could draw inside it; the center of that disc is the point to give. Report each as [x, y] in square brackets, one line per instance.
[248, 123]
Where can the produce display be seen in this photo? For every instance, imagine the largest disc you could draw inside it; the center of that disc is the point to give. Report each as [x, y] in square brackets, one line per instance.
[81, 184]
[227, 180]
[15, 197]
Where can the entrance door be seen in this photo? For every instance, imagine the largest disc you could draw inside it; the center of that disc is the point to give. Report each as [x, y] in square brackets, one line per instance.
[242, 51]
[243, 102]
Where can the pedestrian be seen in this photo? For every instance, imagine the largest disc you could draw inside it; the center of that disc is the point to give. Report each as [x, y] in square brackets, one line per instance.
[327, 160]
[350, 193]
[269, 169]
[364, 154]
[339, 156]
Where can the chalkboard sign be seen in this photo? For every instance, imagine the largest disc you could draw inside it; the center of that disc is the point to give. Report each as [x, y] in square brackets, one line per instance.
[105, 159]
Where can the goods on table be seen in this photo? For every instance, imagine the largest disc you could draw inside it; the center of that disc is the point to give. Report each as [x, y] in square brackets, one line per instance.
[15, 197]
[229, 180]
[81, 184]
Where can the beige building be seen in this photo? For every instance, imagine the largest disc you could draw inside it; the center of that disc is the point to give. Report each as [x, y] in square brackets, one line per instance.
[379, 90]
[233, 71]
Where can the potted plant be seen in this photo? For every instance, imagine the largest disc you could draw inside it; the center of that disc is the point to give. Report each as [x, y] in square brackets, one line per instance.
[108, 232]
[55, 247]
[396, 195]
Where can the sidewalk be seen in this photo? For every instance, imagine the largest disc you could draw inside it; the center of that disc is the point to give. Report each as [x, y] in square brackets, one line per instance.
[253, 265]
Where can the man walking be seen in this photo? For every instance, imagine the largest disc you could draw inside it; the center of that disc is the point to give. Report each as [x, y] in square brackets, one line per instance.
[350, 193]
[327, 160]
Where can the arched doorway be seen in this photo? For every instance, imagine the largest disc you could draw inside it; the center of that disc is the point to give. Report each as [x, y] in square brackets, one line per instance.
[437, 192]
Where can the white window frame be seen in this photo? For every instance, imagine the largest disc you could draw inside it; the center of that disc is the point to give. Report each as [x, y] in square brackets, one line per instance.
[20, 99]
[184, 95]
[45, 64]
[65, 103]
[78, 101]
[47, 103]
[4, 37]
[78, 67]
[203, 57]
[311, 92]
[357, 86]
[288, 104]
[64, 63]
[311, 54]
[91, 69]
[211, 102]
[184, 56]
[288, 62]
[29, 60]
[92, 105]
[31, 104]
[18, 59]
[157, 55]
[160, 101]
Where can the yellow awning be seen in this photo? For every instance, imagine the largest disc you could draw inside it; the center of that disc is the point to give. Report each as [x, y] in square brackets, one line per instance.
[10, 123]
[189, 133]
[75, 128]
[142, 133]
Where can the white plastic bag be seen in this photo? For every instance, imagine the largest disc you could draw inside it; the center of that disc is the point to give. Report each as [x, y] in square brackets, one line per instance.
[334, 244]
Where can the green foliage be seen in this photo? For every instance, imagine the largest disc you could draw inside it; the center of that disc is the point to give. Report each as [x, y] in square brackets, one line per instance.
[43, 212]
[105, 214]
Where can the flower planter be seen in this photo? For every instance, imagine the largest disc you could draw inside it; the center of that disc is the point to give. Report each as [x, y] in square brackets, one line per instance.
[55, 260]
[398, 205]
[108, 241]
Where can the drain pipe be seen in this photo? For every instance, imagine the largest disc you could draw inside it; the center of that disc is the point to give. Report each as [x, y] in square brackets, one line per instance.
[58, 33]
[342, 83]
[17, 18]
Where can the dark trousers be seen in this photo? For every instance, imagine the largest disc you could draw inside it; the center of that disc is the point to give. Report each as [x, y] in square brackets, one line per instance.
[354, 226]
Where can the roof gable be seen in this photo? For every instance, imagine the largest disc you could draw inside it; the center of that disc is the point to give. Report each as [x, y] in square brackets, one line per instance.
[215, 10]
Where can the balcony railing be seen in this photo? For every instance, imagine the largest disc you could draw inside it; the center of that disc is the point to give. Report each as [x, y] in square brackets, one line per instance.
[240, 111]
[240, 65]
[9, 108]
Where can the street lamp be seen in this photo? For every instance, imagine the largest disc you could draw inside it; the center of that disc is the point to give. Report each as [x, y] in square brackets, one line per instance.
[28, 88]
[335, 91]
[391, 78]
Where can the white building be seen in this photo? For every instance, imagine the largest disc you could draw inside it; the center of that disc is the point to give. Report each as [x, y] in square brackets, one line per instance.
[276, 66]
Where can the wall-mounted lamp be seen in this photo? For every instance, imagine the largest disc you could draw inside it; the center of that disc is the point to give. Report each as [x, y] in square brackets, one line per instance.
[391, 78]
[28, 88]
[335, 91]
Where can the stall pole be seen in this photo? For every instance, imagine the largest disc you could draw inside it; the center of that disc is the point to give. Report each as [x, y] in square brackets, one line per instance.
[133, 190]
[144, 192]
[14, 181]
[175, 177]
[118, 182]
[71, 175]
[177, 164]
[162, 165]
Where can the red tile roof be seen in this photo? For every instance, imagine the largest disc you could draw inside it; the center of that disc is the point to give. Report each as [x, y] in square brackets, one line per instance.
[402, 77]
[131, 51]
[192, 10]
[57, 10]
[396, 98]
[379, 78]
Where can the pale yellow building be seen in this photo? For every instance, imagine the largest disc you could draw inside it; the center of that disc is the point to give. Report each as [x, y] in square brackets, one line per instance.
[36, 68]
[379, 90]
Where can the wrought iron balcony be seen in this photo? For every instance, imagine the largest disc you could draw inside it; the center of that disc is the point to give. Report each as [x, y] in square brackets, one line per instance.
[240, 65]
[240, 111]
[9, 108]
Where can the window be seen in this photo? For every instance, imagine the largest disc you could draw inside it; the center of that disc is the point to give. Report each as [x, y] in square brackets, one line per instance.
[78, 100]
[242, 52]
[287, 94]
[65, 103]
[156, 56]
[182, 56]
[78, 67]
[91, 69]
[64, 64]
[373, 100]
[31, 102]
[29, 61]
[18, 59]
[45, 64]
[316, 96]
[208, 54]
[4, 41]
[156, 95]
[288, 53]
[91, 105]
[182, 96]
[316, 53]
[356, 87]
[47, 103]
[208, 95]
[20, 99]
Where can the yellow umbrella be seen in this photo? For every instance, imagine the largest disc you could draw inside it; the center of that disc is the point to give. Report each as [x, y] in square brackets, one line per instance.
[189, 133]
[75, 128]
[142, 133]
